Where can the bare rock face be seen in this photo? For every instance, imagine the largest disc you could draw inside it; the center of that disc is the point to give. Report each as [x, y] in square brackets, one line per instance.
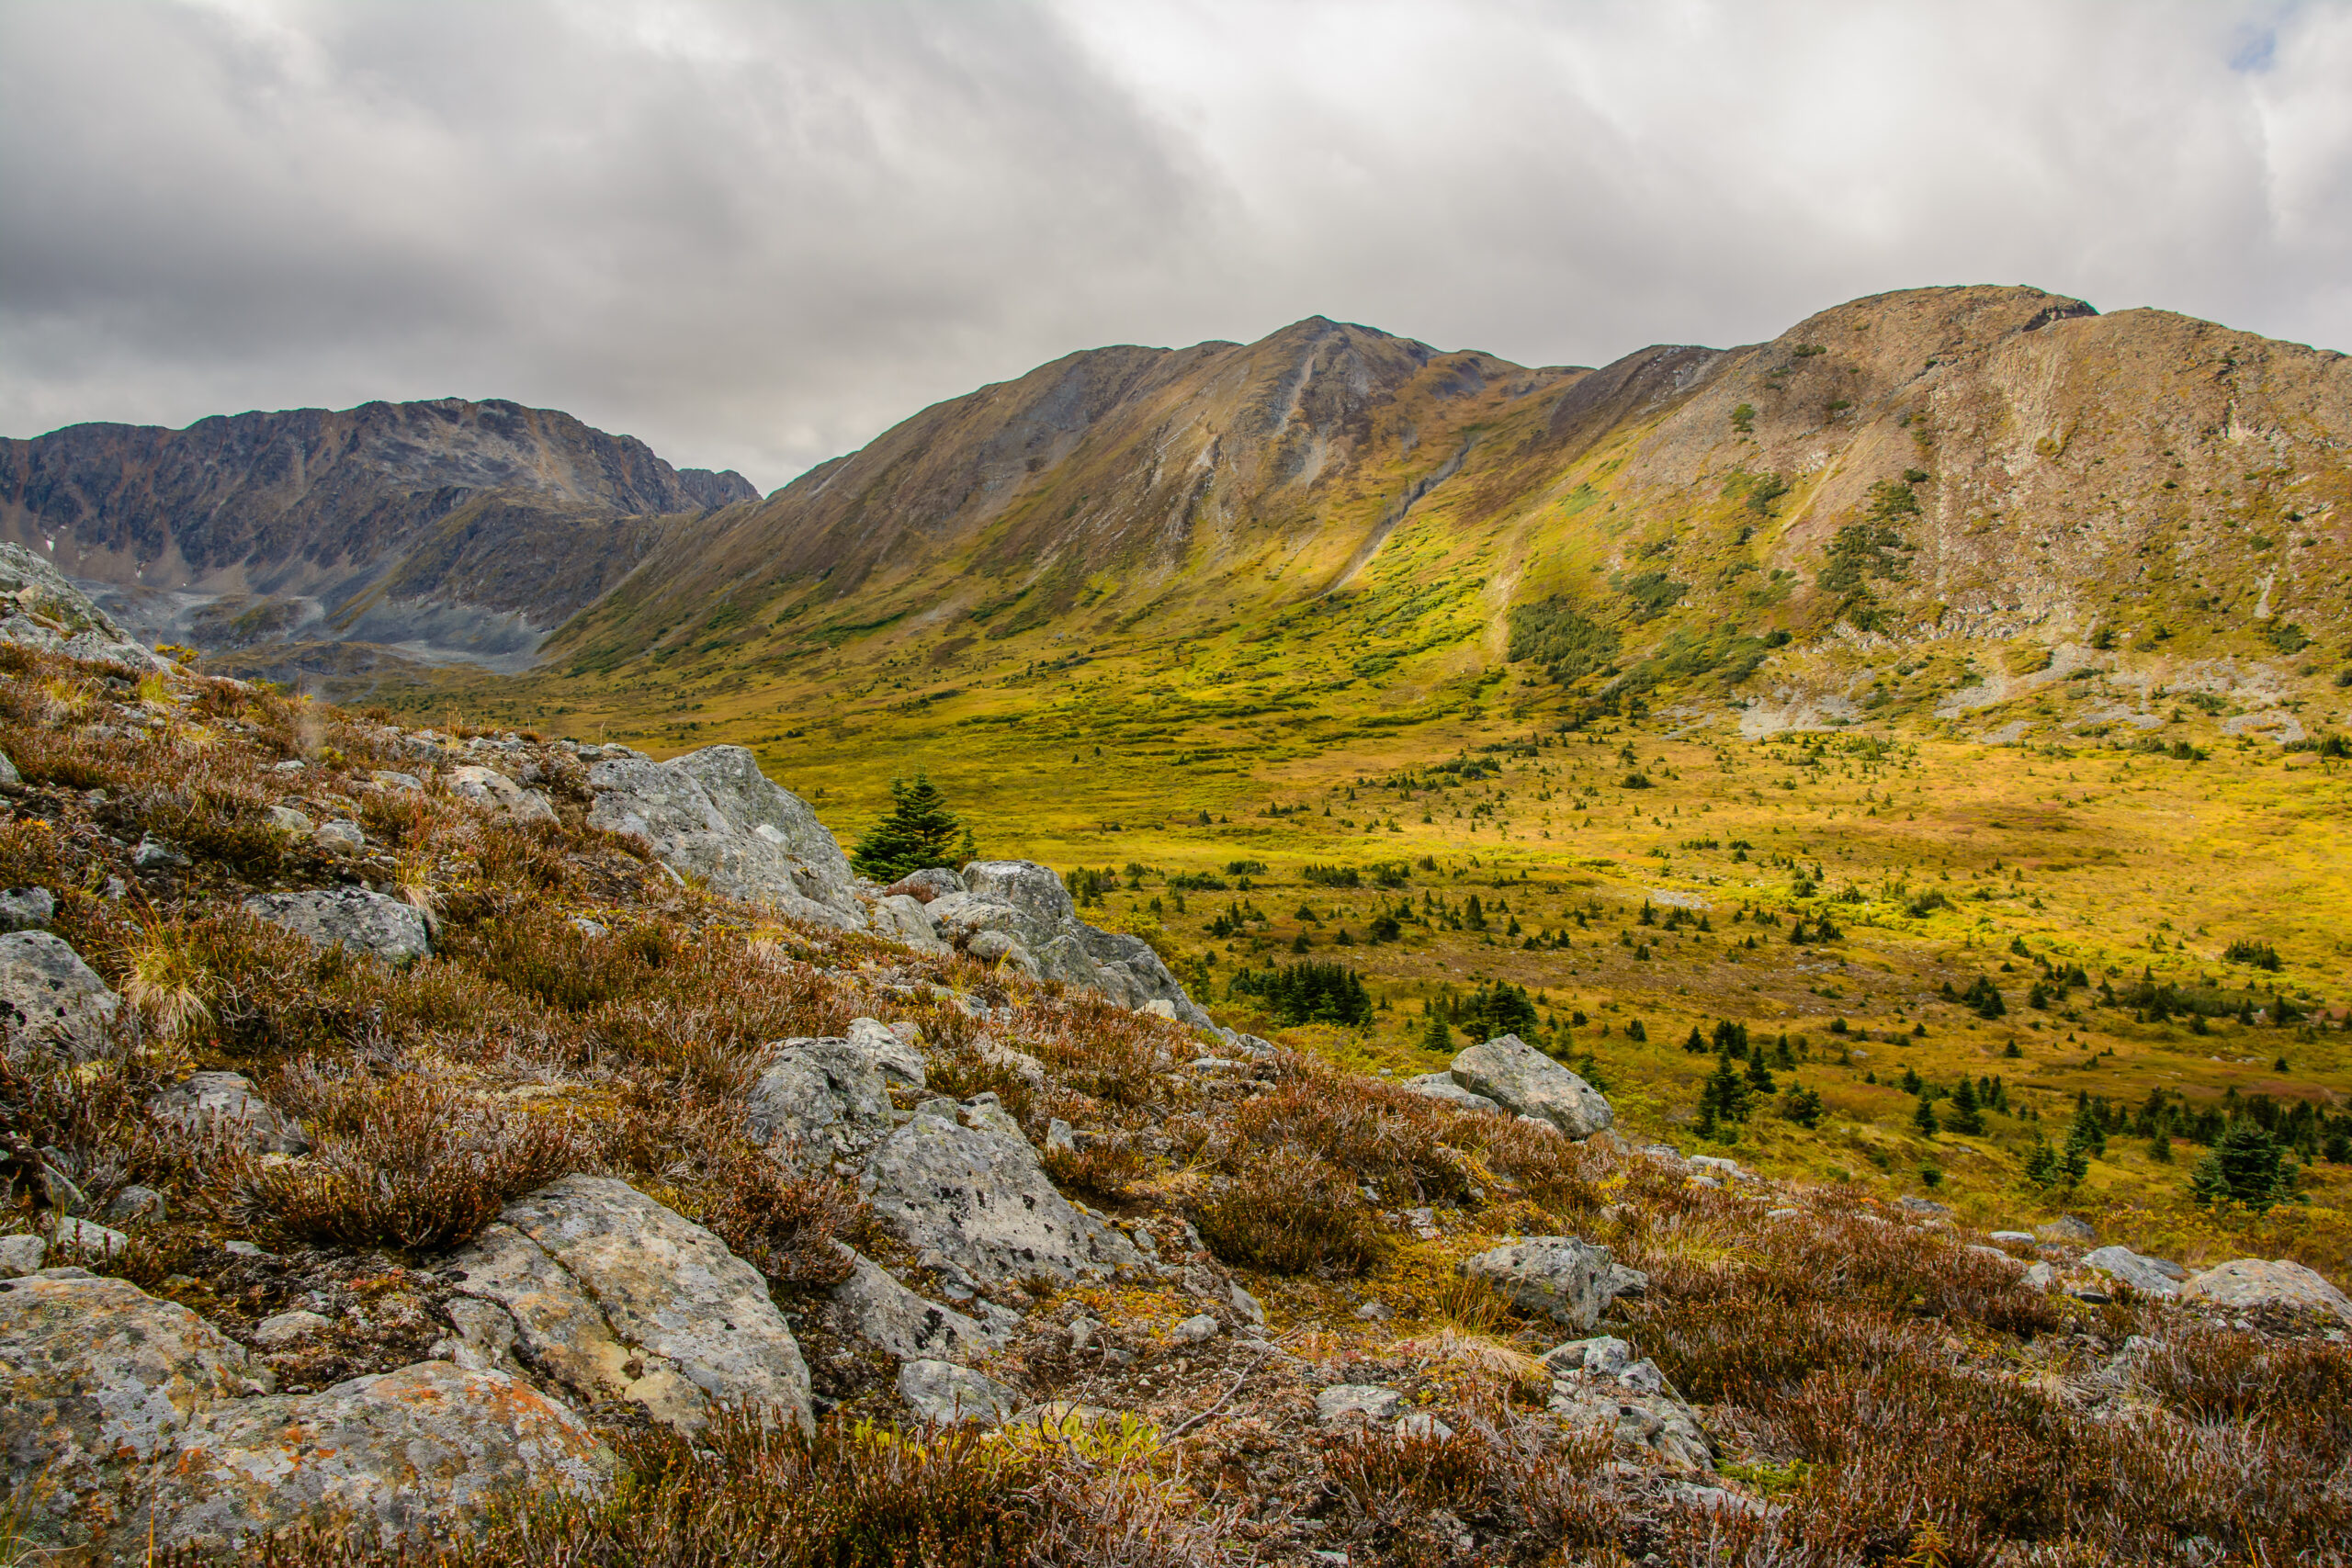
[99, 1380]
[714, 815]
[1569, 1281]
[981, 1199]
[25, 909]
[1518, 1076]
[924, 886]
[494, 791]
[877, 1308]
[944, 1395]
[362, 921]
[1018, 911]
[2247, 1282]
[615, 1297]
[403, 1456]
[227, 1103]
[49, 1000]
[819, 1099]
[40, 609]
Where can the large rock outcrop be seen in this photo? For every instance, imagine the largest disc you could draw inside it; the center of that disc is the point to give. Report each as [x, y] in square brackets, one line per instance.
[713, 815]
[127, 1422]
[397, 1457]
[1518, 1076]
[614, 1297]
[979, 1198]
[1017, 911]
[38, 608]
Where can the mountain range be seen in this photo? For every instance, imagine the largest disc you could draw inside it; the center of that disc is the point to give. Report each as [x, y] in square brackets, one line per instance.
[446, 529]
[1925, 502]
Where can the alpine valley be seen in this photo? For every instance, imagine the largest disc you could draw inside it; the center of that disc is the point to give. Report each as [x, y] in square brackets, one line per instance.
[1312, 952]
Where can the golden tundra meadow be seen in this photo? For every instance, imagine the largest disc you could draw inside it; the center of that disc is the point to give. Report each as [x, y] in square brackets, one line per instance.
[1838, 890]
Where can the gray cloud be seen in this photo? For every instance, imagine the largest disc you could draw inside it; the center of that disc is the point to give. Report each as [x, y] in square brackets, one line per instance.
[755, 235]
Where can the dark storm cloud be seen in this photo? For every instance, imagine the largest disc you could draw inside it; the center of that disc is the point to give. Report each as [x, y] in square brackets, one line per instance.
[756, 234]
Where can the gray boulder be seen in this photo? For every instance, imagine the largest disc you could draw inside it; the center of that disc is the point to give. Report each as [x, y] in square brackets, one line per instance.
[27, 908]
[1020, 910]
[2141, 1273]
[873, 1306]
[2247, 1282]
[944, 1395]
[1631, 1401]
[899, 918]
[494, 792]
[817, 1099]
[98, 1382]
[11, 781]
[1519, 1078]
[40, 609]
[398, 1458]
[20, 1255]
[1568, 1280]
[1357, 1401]
[363, 922]
[892, 1048]
[49, 1000]
[1441, 1087]
[226, 1104]
[980, 1199]
[922, 886]
[615, 1297]
[713, 814]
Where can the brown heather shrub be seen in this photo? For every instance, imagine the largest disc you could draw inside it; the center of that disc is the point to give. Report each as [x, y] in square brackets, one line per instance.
[2215, 1373]
[1387, 1137]
[1105, 1166]
[404, 1163]
[1733, 1349]
[746, 1494]
[1102, 1050]
[1288, 1211]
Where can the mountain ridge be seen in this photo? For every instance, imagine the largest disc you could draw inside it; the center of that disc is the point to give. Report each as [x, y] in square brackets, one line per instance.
[245, 527]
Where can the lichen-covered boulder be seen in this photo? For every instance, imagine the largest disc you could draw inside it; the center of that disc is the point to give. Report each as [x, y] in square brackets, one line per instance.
[874, 1307]
[944, 1395]
[27, 908]
[980, 1198]
[1018, 911]
[615, 1296]
[2249, 1282]
[98, 1382]
[899, 918]
[2143, 1274]
[493, 791]
[400, 1457]
[1440, 1087]
[817, 1099]
[49, 1000]
[714, 815]
[40, 609]
[362, 921]
[1568, 1280]
[228, 1104]
[1520, 1078]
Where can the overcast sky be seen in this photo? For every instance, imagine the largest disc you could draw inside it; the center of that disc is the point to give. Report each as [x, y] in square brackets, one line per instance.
[756, 235]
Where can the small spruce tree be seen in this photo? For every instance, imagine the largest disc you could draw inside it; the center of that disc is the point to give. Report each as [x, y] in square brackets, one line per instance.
[2245, 1166]
[1924, 1120]
[919, 832]
[1967, 1113]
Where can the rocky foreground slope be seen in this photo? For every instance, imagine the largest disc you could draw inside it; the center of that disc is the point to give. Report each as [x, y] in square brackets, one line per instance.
[528, 1152]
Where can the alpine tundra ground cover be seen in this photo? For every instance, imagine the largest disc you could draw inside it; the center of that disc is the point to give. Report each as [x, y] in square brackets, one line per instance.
[1874, 1383]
